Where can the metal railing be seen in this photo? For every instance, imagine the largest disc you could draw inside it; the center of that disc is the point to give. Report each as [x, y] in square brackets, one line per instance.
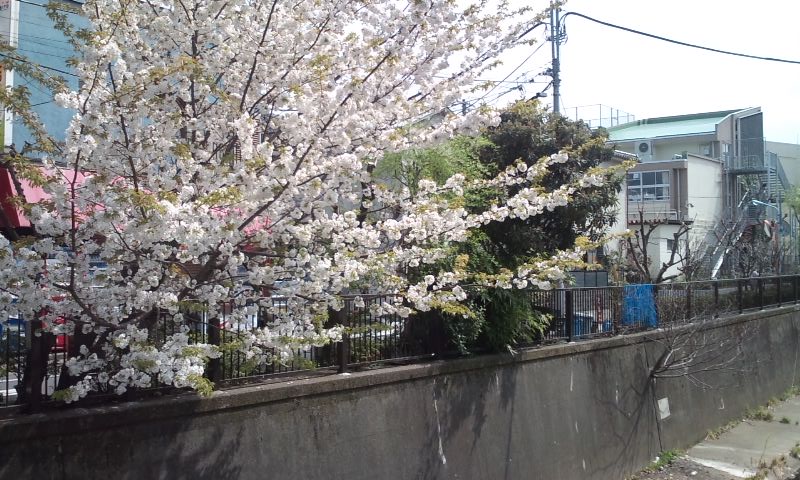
[781, 173]
[578, 313]
[750, 155]
[653, 215]
[599, 115]
[33, 363]
[13, 350]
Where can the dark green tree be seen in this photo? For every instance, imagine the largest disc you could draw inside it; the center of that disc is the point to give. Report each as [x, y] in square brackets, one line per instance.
[526, 133]
[500, 318]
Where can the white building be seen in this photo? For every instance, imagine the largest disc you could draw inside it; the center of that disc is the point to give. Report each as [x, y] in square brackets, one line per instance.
[712, 171]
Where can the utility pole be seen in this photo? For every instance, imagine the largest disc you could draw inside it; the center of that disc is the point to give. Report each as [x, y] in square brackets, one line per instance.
[555, 42]
[780, 234]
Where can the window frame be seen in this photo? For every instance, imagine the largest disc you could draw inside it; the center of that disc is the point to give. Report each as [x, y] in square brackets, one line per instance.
[636, 186]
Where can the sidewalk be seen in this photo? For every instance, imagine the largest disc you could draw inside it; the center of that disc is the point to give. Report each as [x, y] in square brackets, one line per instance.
[764, 446]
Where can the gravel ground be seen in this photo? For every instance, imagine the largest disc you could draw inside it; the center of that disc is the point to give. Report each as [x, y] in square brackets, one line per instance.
[683, 469]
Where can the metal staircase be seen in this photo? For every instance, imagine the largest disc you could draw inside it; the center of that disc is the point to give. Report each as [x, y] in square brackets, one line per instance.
[726, 235]
[777, 182]
[766, 187]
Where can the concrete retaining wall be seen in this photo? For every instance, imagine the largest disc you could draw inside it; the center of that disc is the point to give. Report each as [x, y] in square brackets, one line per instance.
[578, 411]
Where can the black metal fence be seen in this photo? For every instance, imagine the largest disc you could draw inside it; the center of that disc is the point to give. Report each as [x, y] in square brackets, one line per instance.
[33, 364]
[31, 358]
[586, 312]
[13, 349]
[370, 336]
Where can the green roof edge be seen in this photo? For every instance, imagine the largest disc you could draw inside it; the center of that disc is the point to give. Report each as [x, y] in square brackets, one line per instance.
[675, 118]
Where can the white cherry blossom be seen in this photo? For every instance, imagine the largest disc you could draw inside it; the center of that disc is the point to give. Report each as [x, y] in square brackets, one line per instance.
[226, 149]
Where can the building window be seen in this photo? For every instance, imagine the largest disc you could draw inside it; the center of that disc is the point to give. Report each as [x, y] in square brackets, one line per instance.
[726, 151]
[670, 244]
[648, 186]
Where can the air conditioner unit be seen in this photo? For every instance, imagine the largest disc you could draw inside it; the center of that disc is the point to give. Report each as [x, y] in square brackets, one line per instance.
[644, 149]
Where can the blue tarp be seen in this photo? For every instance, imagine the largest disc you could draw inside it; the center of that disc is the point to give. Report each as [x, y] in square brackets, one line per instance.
[639, 307]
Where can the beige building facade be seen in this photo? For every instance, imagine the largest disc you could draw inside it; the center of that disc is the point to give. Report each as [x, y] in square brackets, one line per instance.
[711, 172]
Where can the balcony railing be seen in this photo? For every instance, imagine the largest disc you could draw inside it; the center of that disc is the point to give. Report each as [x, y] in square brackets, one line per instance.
[750, 155]
[650, 212]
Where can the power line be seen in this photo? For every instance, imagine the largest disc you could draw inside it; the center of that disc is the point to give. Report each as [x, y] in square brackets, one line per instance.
[498, 95]
[38, 65]
[46, 39]
[678, 42]
[535, 25]
[511, 73]
[41, 53]
[27, 22]
[29, 82]
[45, 6]
[487, 80]
[539, 94]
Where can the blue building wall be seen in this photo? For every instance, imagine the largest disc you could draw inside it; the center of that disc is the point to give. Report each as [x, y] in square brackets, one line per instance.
[42, 43]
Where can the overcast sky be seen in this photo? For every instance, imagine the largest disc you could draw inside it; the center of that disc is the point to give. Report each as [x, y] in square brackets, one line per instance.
[651, 78]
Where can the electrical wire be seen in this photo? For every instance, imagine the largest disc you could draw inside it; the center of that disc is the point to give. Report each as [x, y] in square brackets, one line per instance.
[535, 25]
[39, 41]
[499, 95]
[44, 6]
[486, 80]
[38, 65]
[29, 83]
[41, 53]
[472, 103]
[26, 22]
[678, 42]
[509, 75]
[539, 94]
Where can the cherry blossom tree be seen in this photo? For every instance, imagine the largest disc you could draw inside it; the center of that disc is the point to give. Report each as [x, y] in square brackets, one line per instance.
[223, 149]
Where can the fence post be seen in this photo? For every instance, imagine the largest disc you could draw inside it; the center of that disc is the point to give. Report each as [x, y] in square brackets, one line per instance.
[615, 308]
[794, 288]
[342, 318]
[689, 302]
[739, 294]
[570, 313]
[35, 366]
[214, 369]
[655, 304]
[716, 298]
[760, 286]
[779, 291]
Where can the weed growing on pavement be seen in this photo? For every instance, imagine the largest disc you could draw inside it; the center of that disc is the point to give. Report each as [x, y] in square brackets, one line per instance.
[663, 459]
[717, 432]
[761, 413]
[793, 391]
